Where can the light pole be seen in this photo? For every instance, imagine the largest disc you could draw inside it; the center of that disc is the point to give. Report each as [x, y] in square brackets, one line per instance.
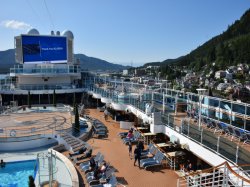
[201, 92]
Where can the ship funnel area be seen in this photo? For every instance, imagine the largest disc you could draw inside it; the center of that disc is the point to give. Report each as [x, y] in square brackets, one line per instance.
[221, 175]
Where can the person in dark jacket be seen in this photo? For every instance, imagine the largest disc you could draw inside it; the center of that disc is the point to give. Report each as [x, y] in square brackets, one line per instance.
[137, 153]
[140, 145]
[130, 150]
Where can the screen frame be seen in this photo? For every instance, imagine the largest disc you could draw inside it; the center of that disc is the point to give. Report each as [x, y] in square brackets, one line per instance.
[45, 62]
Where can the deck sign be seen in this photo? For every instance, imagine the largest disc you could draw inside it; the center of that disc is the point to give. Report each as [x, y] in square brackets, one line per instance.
[44, 49]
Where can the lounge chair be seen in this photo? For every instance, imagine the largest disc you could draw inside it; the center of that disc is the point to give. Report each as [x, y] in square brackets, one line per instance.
[221, 128]
[247, 139]
[106, 176]
[123, 134]
[230, 131]
[211, 125]
[86, 163]
[134, 139]
[80, 151]
[99, 125]
[100, 129]
[239, 134]
[86, 168]
[150, 159]
[112, 182]
[87, 154]
[236, 133]
[101, 133]
[156, 161]
[151, 150]
[92, 172]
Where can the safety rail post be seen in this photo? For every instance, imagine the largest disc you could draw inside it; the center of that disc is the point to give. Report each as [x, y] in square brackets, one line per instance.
[163, 103]
[237, 154]
[201, 135]
[168, 119]
[213, 176]
[224, 176]
[227, 176]
[218, 144]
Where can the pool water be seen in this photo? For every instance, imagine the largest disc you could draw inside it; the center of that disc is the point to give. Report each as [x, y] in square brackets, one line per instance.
[16, 174]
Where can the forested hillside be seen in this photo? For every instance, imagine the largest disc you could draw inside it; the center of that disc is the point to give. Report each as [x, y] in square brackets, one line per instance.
[229, 48]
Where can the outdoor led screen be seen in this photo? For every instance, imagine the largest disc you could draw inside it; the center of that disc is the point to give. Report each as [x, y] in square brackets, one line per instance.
[44, 49]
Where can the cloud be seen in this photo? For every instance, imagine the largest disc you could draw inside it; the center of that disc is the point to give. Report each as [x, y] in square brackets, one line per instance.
[17, 25]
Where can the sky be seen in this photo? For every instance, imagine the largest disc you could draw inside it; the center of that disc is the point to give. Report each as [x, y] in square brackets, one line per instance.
[127, 32]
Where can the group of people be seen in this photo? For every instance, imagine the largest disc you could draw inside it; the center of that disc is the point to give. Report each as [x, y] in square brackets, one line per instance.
[98, 170]
[187, 167]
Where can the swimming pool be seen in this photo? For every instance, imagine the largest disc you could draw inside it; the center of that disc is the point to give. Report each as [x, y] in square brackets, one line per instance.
[16, 174]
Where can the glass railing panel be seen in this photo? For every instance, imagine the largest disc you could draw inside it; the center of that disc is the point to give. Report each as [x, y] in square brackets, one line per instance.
[181, 100]
[171, 121]
[212, 113]
[204, 111]
[185, 127]
[243, 156]
[227, 148]
[248, 110]
[45, 70]
[164, 119]
[174, 93]
[239, 108]
[225, 105]
[213, 102]
[195, 133]
[224, 117]
[195, 98]
[185, 96]
[209, 139]
[238, 121]
[248, 124]
[169, 92]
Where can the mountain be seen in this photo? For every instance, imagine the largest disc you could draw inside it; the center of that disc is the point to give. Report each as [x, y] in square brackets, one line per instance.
[227, 49]
[92, 63]
[7, 60]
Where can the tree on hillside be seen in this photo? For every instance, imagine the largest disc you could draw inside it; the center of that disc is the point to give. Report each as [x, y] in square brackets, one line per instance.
[210, 92]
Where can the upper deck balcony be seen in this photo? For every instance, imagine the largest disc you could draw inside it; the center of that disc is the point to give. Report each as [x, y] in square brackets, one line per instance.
[45, 70]
[232, 115]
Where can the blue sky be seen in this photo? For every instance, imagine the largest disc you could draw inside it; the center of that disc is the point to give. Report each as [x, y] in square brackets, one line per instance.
[123, 31]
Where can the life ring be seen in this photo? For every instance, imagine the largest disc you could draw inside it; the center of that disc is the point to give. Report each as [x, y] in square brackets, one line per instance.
[13, 133]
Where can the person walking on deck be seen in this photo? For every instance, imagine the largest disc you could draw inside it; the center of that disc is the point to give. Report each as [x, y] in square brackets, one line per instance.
[137, 155]
[130, 150]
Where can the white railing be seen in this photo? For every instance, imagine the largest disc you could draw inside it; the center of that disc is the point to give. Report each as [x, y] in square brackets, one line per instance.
[223, 175]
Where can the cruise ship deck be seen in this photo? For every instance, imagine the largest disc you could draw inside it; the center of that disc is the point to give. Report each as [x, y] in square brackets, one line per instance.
[116, 153]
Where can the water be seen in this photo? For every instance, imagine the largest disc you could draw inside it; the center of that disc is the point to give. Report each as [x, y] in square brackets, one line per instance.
[16, 174]
[41, 109]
